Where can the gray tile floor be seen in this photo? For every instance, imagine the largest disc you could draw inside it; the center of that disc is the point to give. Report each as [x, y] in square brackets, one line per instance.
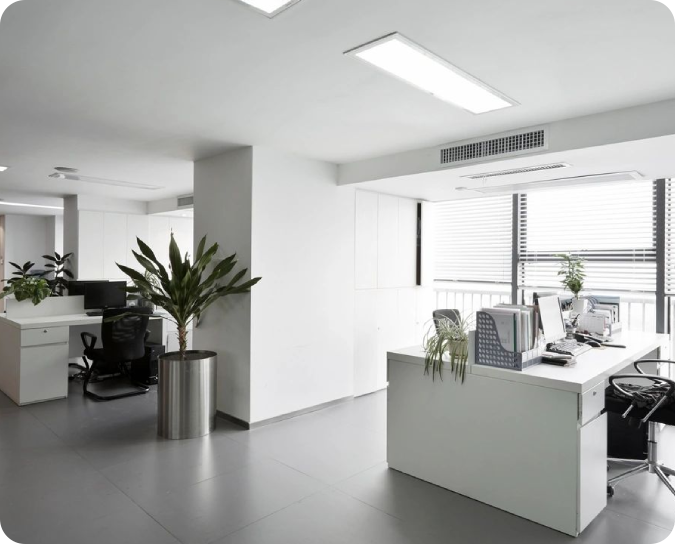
[76, 471]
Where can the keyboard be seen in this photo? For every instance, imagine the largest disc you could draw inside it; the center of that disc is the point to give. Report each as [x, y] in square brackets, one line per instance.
[573, 348]
[94, 313]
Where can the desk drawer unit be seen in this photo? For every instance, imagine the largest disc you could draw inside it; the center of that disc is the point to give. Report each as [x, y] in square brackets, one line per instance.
[591, 403]
[43, 373]
[43, 336]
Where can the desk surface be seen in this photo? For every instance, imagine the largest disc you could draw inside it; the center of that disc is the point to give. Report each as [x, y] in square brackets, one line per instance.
[64, 320]
[592, 367]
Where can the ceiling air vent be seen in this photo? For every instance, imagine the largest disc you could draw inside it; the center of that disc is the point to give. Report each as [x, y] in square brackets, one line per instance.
[186, 201]
[504, 145]
[524, 170]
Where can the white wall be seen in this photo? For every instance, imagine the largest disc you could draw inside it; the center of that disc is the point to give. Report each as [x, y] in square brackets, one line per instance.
[223, 211]
[302, 310]
[289, 344]
[27, 238]
[391, 311]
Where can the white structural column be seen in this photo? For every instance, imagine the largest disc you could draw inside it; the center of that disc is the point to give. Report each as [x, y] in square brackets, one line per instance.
[288, 346]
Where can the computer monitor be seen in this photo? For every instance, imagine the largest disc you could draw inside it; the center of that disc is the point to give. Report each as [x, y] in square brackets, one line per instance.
[551, 318]
[99, 295]
[76, 287]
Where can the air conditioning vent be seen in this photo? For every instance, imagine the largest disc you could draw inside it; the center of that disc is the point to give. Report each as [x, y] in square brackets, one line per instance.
[186, 201]
[524, 170]
[505, 145]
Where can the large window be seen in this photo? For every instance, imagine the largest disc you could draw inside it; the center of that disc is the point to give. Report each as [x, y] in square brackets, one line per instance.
[473, 240]
[613, 226]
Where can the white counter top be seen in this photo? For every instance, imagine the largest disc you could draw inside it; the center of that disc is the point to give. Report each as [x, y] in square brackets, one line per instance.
[64, 320]
[592, 367]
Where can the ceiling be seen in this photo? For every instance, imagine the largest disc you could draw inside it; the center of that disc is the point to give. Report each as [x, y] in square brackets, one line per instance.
[652, 158]
[136, 91]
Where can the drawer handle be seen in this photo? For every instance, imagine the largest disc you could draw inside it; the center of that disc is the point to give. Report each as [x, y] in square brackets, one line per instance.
[45, 331]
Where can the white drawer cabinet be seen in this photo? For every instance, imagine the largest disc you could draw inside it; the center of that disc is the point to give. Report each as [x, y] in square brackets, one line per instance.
[44, 336]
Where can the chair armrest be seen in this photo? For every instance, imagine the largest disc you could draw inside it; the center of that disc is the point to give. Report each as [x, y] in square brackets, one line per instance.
[656, 379]
[638, 362]
[88, 340]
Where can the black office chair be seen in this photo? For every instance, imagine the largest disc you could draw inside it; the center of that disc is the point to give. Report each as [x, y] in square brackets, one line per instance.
[446, 314]
[123, 342]
[649, 403]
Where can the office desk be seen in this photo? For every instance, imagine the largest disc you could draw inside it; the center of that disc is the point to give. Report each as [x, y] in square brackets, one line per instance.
[34, 353]
[533, 443]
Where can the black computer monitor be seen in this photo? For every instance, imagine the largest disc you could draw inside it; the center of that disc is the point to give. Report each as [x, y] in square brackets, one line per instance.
[76, 287]
[99, 295]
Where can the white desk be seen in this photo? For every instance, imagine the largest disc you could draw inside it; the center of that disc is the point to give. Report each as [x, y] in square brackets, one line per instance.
[533, 443]
[34, 352]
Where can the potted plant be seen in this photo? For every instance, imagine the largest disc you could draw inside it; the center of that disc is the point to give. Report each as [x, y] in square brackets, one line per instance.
[572, 271]
[187, 378]
[449, 337]
[57, 267]
[27, 288]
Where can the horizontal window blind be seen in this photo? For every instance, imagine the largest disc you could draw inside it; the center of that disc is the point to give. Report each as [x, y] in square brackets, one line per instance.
[611, 225]
[473, 240]
[670, 237]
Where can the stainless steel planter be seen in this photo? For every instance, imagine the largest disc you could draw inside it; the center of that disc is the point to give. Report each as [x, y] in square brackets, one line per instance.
[186, 403]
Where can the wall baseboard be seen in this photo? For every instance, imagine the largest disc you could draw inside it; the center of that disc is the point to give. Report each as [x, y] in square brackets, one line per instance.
[287, 416]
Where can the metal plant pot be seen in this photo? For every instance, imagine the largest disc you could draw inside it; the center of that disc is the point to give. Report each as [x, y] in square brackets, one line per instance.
[186, 403]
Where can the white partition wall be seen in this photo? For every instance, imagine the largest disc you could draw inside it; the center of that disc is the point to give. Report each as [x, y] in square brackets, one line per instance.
[390, 310]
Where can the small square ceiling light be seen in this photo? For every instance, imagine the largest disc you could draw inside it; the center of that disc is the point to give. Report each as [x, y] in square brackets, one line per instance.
[410, 62]
[270, 7]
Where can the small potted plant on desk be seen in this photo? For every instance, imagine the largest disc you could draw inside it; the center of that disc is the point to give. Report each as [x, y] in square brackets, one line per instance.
[572, 271]
[451, 337]
[186, 405]
[26, 287]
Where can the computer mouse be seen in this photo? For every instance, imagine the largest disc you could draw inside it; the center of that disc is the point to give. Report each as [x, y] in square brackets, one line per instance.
[594, 344]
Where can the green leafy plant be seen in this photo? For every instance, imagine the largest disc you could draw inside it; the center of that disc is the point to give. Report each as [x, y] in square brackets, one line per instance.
[34, 289]
[446, 336]
[572, 271]
[21, 272]
[187, 291]
[60, 274]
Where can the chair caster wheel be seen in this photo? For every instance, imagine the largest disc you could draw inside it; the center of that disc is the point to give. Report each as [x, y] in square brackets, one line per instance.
[610, 491]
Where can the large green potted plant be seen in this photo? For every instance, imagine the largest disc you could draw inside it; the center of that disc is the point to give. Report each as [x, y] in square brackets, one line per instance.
[187, 378]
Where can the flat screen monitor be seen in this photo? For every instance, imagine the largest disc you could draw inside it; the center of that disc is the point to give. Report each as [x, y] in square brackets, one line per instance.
[99, 295]
[551, 318]
[76, 287]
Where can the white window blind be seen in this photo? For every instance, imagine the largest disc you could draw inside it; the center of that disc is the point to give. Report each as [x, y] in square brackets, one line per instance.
[670, 237]
[473, 240]
[611, 225]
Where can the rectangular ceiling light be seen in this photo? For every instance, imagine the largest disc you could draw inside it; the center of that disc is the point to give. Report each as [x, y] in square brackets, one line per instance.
[403, 58]
[5, 203]
[270, 7]
[103, 181]
[2, 169]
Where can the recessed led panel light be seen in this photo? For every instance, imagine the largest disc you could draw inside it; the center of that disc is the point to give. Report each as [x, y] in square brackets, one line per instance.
[270, 7]
[5, 203]
[403, 58]
[2, 169]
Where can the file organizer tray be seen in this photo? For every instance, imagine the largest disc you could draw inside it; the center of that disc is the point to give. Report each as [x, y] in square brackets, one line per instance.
[489, 350]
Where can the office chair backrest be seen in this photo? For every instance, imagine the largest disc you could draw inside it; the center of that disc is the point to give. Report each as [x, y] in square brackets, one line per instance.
[451, 314]
[124, 339]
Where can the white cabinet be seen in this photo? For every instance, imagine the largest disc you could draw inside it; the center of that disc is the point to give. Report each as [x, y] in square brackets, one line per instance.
[365, 240]
[90, 246]
[365, 343]
[387, 242]
[137, 227]
[407, 243]
[114, 244]
[592, 470]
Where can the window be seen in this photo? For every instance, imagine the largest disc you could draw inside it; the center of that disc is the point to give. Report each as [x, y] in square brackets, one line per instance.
[670, 237]
[473, 240]
[613, 226]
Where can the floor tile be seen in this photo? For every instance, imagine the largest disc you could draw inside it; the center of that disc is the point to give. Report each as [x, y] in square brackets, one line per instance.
[219, 506]
[330, 517]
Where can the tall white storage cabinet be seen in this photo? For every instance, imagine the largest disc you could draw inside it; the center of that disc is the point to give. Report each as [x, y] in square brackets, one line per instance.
[387, 300]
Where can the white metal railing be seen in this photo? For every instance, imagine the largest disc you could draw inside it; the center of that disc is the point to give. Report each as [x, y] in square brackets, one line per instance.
[638, 310]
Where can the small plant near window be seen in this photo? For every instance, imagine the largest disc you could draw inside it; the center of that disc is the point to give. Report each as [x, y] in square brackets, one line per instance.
[572, 271]
[449, 337]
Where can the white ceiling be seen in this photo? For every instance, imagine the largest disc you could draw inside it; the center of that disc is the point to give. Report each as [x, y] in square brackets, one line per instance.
[136, 91]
